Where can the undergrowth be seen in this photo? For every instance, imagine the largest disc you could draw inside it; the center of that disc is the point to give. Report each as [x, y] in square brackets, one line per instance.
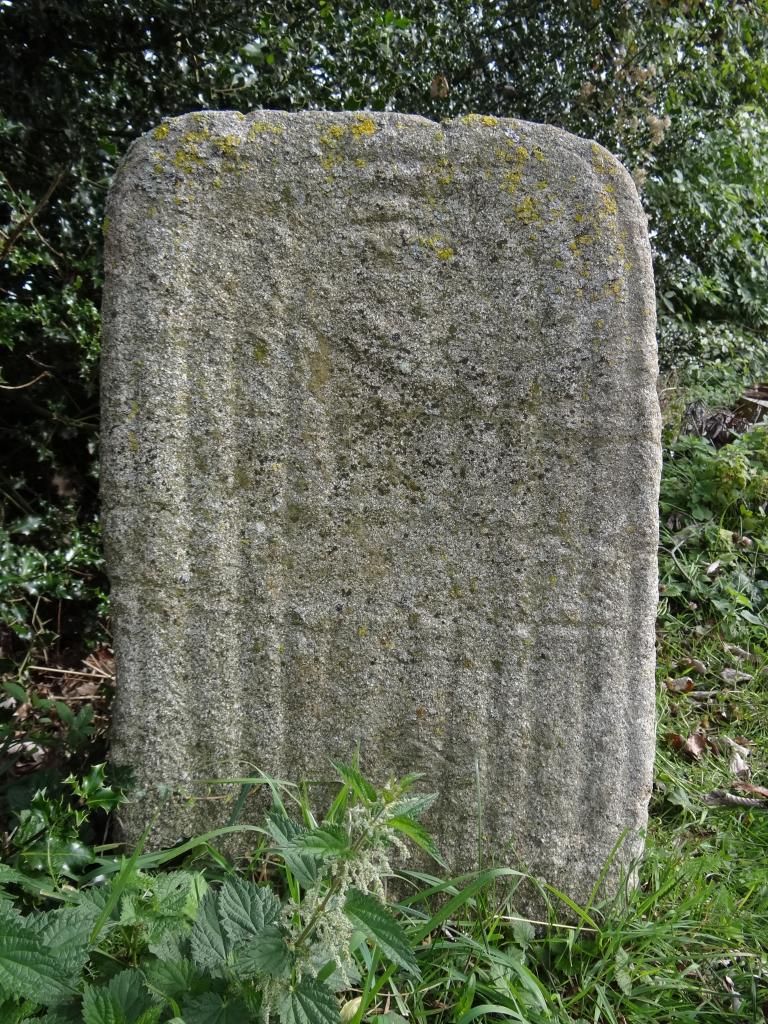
[309, 931]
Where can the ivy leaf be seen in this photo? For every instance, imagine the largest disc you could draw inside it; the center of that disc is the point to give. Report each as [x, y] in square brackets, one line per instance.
[208, 941]
[246, 908]
[266, 953]
[378, 924]
[310, 1002]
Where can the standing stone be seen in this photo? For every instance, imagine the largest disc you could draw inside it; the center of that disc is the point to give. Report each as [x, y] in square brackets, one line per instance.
[381, 455]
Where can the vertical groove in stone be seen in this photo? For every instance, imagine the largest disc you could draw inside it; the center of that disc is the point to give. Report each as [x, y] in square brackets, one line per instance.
[380, 464]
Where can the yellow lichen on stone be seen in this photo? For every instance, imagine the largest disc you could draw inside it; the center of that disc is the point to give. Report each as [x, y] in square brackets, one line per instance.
[516, 155]
[484, 119]
[444, 171]
[602, 161]
[364, 126]
[608, 206]
[527, 211]
[263, 127]
[614, 288]
[227, 145]
[161, 131]
[439, 247]
[105, 227]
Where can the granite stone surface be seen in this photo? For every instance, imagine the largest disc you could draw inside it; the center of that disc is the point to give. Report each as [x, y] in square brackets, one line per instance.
[380, 469]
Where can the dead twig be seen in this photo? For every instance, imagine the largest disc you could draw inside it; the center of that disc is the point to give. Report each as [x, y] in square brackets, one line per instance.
[19, 387]
[719, 798]
[29, 217]
[71, 672]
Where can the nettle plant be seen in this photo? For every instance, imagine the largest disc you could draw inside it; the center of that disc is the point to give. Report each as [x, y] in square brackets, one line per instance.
[145, 947]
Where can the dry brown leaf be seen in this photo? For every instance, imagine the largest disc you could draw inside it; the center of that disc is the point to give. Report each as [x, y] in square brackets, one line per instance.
[737, 652]
[725, 742]
[749, 787]
[682, 685]
[739, 766]
[734, 675]
[695, 665]
[438, 87]
[22, 712]
[694, 746]
[719, 798]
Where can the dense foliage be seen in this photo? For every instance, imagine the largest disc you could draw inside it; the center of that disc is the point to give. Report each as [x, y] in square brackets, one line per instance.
[675, 87]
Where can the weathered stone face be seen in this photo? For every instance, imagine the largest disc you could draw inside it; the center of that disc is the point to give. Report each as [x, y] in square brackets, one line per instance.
[380, 463]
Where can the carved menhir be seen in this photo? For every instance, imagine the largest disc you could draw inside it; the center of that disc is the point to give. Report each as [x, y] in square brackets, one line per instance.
[381, 455]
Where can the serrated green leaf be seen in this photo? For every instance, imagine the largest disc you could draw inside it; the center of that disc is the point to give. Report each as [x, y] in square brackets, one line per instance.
[265, 953]
[210, 1008]
[151, 1015]
[10, 876]
[208, 941]
[377, 923]
[324, 841]
[173, 980]
[99, 1007]
[310, 1002]
[416, 831]
[356, 782]
[64, 933]
[246, 908]
[127, 992]
[622, 975]
[303, 866]
[171, 946]
[412, 806]
[27, 968]
[523, 931]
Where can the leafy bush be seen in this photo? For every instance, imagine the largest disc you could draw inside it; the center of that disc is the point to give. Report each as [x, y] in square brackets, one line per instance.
[714, 512]
[148, 947]
[46, 559]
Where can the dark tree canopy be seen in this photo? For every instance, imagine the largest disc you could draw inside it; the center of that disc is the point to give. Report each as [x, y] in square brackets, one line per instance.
[674, 87]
